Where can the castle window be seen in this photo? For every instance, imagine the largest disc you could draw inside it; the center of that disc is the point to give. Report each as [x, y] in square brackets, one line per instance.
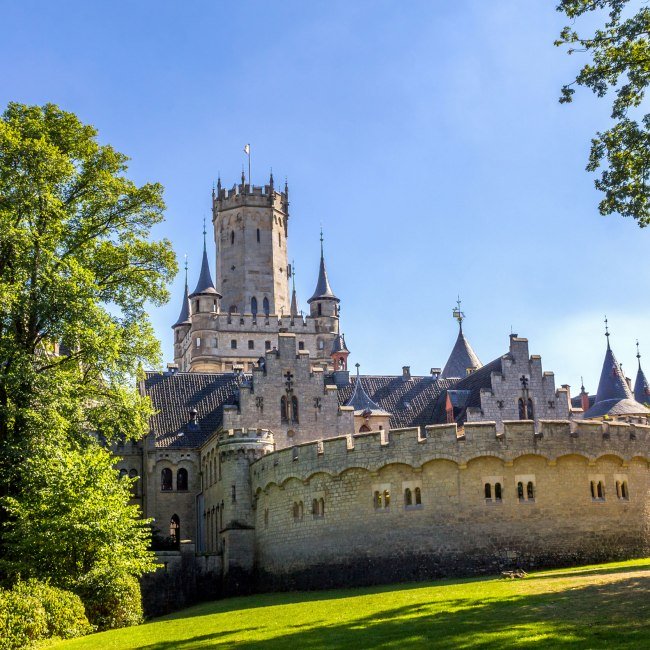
[175, 529]
[254, 306]
[266, 518]
[408, 497]
[301, 345]
[233, 493]
[488, 492]
[321, 344]
[377, 500]
[181, 479]
[233, 344]
[531, 414]
[597, 490]
[386, 498]
[298, 511]
[600, 491]
[318, 508]
[258, 235]
[520, 491]
[198, 342]
[320, 309]
[497, 491]
[294, 408]
[530, 491]
[267, 345]
[266, 306]
[221, 516]
[364, 428]
[123, 473]
[279, 240]
[215, 343]
[283, 409]
[321, 507]
[418, 496]
[232, 237]
[251, 345]
[522, 409]
[166, 479]
[624, 493]
[133, 473]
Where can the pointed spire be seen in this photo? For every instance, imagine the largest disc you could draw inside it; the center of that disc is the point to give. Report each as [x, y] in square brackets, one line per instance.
[641, 385]
[360, 400]
[607, 332]
[219, 184]
[205, 283]
[323, 290]
[612, 384]
[271, 180]
[462, 359]
[294, 299]
[184, 316]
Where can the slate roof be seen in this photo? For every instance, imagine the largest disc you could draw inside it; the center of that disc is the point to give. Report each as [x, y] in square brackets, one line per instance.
[360, 400]
[184, 316]
[641, 387]
[204, 284]
[616, 407]
[338, 345]
[411, 403]
[461, 358]
[173, 395]
[323, 290]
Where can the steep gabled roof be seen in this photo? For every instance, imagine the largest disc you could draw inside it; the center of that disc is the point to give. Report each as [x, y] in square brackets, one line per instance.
[461, 358]
[205, 284]
[173, 395]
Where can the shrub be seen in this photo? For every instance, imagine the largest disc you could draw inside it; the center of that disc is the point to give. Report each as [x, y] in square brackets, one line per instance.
[64, 611]
[22, 620]
[112, 598]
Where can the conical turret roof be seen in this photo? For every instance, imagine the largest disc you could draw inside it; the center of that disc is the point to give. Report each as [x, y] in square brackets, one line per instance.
[641, 386]
[184, 316]
[461, 358]
[360, 400]
[205, 285]
[339, 344]
[323, 289]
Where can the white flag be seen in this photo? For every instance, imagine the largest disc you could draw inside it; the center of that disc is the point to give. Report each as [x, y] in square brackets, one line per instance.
[247, 149]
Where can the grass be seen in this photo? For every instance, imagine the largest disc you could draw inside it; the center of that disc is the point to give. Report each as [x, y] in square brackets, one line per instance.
[588, 607]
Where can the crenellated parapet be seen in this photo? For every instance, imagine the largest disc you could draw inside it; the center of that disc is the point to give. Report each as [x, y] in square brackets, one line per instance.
[550, 439]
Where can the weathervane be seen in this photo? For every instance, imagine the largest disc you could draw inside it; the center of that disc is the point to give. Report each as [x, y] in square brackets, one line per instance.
[458, 314]
[607, 330]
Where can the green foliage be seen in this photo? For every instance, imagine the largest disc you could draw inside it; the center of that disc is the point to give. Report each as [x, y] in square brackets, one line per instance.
[112, 597]
[32, 611]
[620, 62]
[73, 516]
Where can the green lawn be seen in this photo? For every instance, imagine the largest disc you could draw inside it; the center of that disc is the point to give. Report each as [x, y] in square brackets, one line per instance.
[586, 607]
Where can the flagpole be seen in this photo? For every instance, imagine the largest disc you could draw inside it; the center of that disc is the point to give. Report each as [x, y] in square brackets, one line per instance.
[250, 182]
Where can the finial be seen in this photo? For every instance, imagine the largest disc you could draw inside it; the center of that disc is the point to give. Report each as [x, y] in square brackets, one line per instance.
[582, 384]
[204, 232]
[219, 182]
[185, 270]
[458, 314]
[271, 178]
[286, 186]
[607, 331]
[357, 366]
[638, 354]
[293, 274]
[321, 240]
[243, 176]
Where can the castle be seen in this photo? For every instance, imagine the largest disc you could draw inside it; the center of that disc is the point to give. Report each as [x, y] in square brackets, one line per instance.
[266, 458]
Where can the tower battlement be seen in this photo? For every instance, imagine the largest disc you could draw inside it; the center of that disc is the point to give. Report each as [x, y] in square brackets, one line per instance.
[245, 194]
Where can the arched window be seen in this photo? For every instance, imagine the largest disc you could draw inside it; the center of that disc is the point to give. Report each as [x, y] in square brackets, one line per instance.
[600, 491]
[301, 510]
[123, 473]
[530, 490]
[386, 498]
[618, 489]
[377, 499]
[258, 235]
[488, 491]
[522, 410]
[320, 309]
[364, 428]
[283, 408]
[181, 479]
[294, 408]
[166, 479]
[232, 237]
[593, 490]
[408, 497]
[624, 493]
[418, 496]
[497, 491]
[175, 529]
[266, 306]
[531, 413]
[520, 491]
[314, 507]
[295, 511]
[279, 240]
[321, 507]
[254, 306]
[133, 473]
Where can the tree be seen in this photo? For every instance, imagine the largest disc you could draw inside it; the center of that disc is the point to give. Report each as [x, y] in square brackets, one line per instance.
[619, 62]
[76, 271]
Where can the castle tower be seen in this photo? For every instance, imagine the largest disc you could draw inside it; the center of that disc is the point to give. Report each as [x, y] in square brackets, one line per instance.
[182, 326]
[323, 304]
[340, 353]
[250, 231]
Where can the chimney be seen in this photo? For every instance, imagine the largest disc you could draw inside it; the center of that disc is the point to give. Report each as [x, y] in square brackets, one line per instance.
[584, 400]
[435, 372]
[406, 373]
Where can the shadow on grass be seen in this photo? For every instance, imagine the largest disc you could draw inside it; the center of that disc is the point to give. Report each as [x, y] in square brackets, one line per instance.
[612, 614]
[568, 573]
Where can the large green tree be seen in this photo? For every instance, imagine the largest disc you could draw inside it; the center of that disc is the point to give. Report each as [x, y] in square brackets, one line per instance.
[618, 56]
[77, 267]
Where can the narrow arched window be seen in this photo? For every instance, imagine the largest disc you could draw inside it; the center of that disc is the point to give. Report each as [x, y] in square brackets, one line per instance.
[314, 507]
[258, 235]
[301, 510]
[254, 306]
[618, 489]
[283, 408]
[600, 491]
[497, 491]
[294, 408]
[530, 490]
[166, 479]
[221, 516]
[488, 491]
[232, 237]
[625, 494]
[408, 497]
[266, 518]
[522, 409]
[520, 491]
[377, 499]
[181, 479]
[123, 473]
[279, 240]
[386, 498]
[320, 309]
[531, 413]
[175, 529]
[266, 307]
[321, 507]
[295, 511]
[418, 496]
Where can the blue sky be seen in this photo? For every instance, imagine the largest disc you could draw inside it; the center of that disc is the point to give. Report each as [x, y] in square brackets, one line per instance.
[426, 137]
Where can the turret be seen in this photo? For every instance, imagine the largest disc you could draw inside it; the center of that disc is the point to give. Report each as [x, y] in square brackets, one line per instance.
[205, 298]
[641, 386]
[183, 324]
[323, 302]
[462, 360]
[340, 353]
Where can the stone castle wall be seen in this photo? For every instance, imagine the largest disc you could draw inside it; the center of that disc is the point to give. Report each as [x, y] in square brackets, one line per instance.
[454, 529]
